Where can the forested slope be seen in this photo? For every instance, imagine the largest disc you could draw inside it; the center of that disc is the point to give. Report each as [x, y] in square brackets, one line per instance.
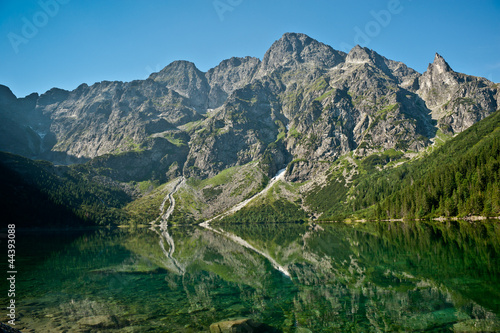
[461, 177]
[37, 193]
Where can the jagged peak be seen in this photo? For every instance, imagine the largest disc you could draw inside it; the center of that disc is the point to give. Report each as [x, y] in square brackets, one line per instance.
[296, 36]
[55, 93]
[293, 48]
[176, 68]
[359, 54]
[364, 55]
[6, 93]
[290, 42]
[180, 64]
[235, 62]
[31, 96]
[439, 64]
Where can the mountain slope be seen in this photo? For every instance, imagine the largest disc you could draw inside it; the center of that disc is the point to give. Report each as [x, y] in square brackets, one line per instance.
[331, 118]
[324, 102]
[36, 193]
[461, 177]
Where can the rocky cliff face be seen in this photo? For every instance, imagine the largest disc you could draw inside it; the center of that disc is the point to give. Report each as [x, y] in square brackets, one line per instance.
[298, 51]
[228, 76]
[457, 100]
[303, 101]
[16, 135]
[187, 80]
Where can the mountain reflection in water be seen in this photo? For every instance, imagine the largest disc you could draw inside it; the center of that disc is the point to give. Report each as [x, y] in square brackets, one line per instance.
[377, 276]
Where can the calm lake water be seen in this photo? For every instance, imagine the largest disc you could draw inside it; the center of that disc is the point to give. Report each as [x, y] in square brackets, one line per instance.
[362, 277]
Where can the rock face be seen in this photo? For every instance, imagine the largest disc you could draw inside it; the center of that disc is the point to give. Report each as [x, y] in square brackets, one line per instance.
[293, 51]
[228, 76]
[457, 100]
[187, 80]
[304, 100]
[16, 135]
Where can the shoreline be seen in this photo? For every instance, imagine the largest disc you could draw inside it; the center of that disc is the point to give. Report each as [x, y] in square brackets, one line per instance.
[472, 218]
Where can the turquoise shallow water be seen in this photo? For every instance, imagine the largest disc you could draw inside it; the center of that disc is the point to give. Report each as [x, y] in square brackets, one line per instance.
[362, 277]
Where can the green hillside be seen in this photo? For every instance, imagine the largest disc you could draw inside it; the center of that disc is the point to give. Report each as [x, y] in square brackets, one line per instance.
[461, 177]
[37, 193]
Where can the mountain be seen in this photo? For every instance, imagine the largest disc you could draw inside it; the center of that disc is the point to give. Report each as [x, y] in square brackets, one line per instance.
[305, 107]
[459, 178]
[456, 100]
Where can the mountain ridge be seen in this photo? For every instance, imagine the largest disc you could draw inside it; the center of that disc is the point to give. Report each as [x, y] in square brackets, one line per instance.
[303, 106]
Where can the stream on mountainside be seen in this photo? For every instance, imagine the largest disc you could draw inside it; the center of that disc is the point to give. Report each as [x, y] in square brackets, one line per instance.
[377, 276]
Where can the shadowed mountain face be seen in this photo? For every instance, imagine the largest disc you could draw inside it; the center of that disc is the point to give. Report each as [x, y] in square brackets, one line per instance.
[304, 100]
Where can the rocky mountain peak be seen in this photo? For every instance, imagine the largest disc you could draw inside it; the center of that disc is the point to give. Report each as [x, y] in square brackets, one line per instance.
[294, 49]
[456, 100]
[184, 78]
[296, 39]
[439, 65]
[359, 54]
[55, 93]
[8, 99]
[303, 100]
[175, 67]
[6, 94]
[234, 62]
[395, 70]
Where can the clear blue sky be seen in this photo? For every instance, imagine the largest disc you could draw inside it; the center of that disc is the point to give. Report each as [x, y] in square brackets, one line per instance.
[87, 41]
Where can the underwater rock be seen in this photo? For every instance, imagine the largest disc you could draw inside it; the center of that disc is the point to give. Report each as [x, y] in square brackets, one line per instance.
[245, 325]
[102, 321]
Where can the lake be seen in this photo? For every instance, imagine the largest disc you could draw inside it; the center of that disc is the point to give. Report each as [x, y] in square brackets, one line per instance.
[342, 277]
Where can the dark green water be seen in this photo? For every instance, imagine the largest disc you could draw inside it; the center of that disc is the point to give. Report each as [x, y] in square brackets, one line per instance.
[372, 277]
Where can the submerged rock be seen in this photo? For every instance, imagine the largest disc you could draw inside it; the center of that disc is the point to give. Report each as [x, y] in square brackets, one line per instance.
[102, 321]
[245, 325]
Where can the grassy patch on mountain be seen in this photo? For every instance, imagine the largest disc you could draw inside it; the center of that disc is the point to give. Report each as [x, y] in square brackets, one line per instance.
[221, 178]
[175, 140]
[147, 208]
[370, 163]
[272, 207]
[325, 95]
[201, 199]
[277, 211]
